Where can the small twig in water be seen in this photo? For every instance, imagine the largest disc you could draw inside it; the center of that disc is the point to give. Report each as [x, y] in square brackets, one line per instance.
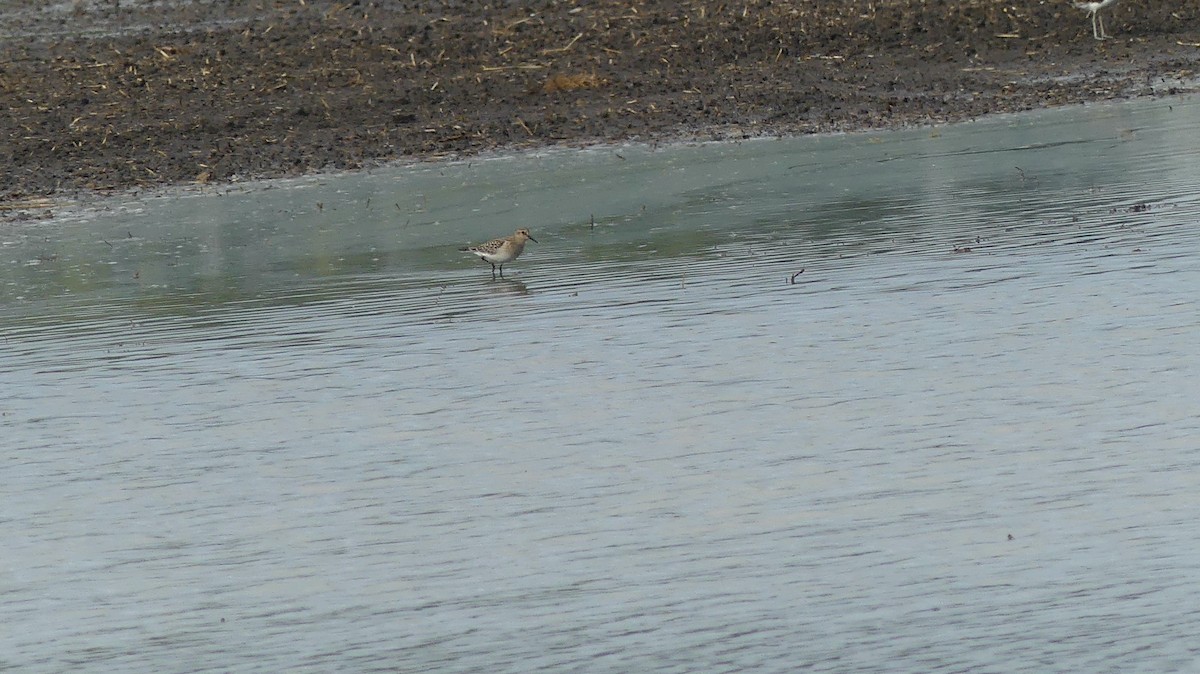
[792, 280]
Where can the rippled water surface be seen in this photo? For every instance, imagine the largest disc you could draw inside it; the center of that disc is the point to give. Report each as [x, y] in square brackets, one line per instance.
[921, 402]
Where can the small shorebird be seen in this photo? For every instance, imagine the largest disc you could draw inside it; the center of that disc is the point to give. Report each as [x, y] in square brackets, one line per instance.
[1093, 8]
[501, 251]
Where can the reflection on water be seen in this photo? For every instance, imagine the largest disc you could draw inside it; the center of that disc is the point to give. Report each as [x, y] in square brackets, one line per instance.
[293, 428]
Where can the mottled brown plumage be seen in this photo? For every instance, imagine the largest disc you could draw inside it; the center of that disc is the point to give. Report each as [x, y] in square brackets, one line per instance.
[499, 252]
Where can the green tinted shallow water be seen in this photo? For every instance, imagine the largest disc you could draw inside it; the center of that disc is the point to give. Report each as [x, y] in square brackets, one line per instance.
[289, 426]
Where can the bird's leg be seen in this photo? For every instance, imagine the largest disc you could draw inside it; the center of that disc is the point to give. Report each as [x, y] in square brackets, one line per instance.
[1094, 33]
[501, 271]
[1100, 20]
[493, 269]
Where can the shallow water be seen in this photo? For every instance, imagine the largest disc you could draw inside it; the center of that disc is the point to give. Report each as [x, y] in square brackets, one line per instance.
[919, 401]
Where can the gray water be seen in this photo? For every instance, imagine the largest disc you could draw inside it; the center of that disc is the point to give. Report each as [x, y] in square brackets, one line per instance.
[921, 401]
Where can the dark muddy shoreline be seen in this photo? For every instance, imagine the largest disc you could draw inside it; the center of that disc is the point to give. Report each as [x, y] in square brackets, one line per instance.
[110, 96]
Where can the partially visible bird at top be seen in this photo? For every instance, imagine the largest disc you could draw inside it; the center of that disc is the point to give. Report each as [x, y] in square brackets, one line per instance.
[1093, 8]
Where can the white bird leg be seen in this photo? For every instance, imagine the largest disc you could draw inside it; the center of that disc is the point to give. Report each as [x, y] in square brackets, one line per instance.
[1093, 10]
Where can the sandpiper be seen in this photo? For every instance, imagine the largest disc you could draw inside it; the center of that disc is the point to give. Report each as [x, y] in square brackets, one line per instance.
[1093, 8]
[497, 252]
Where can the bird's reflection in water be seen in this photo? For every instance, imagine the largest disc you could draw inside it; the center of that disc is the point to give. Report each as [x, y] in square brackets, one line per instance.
[507, 286]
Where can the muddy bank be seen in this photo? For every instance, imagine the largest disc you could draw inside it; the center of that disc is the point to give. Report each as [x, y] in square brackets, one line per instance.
[112, 95]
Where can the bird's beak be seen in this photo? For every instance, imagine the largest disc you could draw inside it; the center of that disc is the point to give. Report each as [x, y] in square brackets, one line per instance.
[532, 239]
